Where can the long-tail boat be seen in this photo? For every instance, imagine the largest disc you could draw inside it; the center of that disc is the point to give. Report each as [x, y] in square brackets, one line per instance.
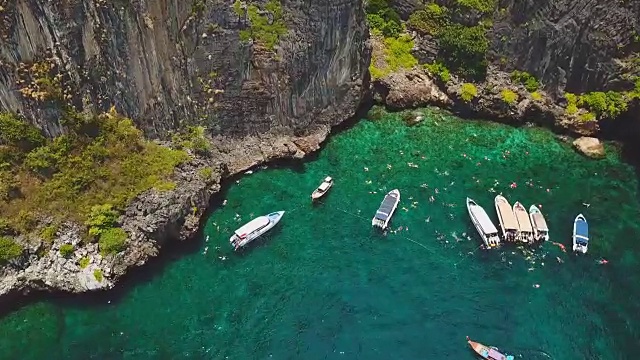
[488, 352]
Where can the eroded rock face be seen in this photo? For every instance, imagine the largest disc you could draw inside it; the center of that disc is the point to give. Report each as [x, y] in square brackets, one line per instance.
[165, 63]
[590, 147]
[577, 45]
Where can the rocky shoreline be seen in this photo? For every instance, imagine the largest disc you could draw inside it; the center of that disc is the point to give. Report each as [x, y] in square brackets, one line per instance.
[152, 220]
[156, 218]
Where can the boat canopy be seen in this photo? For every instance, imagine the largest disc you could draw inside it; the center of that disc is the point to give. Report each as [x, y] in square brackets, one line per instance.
[483, 219]
[523, 218]
[539, 221]
[328, 179]
[385, 208]
[324, 186]
[506, 213]
[252, 226]
[494, 354]
[582, 232]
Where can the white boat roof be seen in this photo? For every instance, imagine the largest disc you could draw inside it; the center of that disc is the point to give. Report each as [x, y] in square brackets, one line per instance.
[324, 186]
[481, 216]
[523, 218]
[328, 178]
[509, 220]
[252, 225]
[539, 222]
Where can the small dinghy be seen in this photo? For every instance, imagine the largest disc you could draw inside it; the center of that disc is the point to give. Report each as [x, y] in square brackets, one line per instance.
[254, 229]
[488, 352]
[580, 234]
[386, 209]
[321, 190]
[483, 224]
[524, 223]
[540, 229]
[508, 221]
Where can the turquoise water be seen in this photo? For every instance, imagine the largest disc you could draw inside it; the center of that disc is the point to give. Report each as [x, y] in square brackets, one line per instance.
[323, 285]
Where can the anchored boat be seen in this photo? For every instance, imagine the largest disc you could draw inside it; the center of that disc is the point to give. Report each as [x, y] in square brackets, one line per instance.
[524, 224]
[321, 190]
[580, 234]
[254, 229]
[540, 229]
[488, 352]
[508, 221]
[386, 209]
[483, 224]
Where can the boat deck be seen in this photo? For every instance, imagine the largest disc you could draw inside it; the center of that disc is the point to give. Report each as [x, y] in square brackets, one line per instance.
[509, 221]
[523, 219]
[539, 222]
[386, 208]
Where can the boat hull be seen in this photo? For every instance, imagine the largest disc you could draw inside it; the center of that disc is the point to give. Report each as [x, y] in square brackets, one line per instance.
[318, 192]
[525, 234]
[508, 234]
[274, 219]
[384, 223]
[490, 241]
[487, 352]
[577, 247]
[539, 233]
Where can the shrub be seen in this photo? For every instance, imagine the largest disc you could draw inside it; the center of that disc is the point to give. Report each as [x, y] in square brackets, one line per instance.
[83, 262]
[97, 274]
[165, 186]
[430, 19]
[264, 29]
[536, 96]
[194, 139]
[101, 218]
[9, 249]
[468, 92]
[5, 227]
[607, 105]
[101, 160]
[439, 70]
[509, 96]
[463, 49]
[586, 117]
[206, 173]
[66, 250]
[112, 241]
[526, 79]
[398, 53]
[483, 6]
[17, 133]
[48, 233]
[383, 18]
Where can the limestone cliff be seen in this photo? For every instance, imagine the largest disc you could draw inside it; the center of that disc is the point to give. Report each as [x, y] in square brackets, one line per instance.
[165, 63]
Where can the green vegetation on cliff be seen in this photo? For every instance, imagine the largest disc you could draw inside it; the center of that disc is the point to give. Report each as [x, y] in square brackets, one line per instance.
[392, 48]
[99, 160]
[264, 29]
[468, 92]
[463, 47]
[383, 18]
[602, 105]
[525, 79]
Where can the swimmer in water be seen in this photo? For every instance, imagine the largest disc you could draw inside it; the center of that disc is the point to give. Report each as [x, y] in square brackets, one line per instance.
[603, 261]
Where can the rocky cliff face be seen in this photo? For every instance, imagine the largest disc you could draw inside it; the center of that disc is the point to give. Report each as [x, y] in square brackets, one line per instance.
[165, 63]
[577, 45]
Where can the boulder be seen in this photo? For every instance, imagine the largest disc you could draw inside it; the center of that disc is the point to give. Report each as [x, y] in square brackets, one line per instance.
[590, 147]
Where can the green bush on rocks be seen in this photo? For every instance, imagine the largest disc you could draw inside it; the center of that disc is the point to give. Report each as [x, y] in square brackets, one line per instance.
[9, 249]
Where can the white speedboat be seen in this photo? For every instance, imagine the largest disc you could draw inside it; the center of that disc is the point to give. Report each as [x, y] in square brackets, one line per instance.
[506, 218]
[524, 223]
[540, 229]
[386, 209]
[580, 234]
[483, 224]
[321, 190]
[254, 229]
